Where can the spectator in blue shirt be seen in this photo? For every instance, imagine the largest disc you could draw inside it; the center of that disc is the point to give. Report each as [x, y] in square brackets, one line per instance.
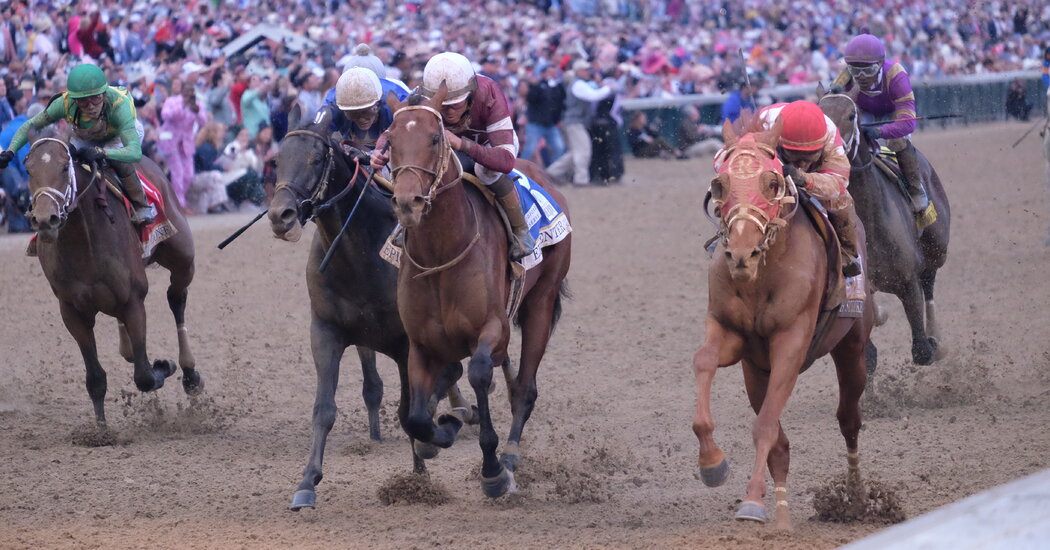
[15, 178]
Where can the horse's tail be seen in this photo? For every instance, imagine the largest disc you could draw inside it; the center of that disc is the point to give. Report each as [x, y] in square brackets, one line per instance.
[563, 294]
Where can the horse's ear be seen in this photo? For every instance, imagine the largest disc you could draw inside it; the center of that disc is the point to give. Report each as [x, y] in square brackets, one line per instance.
[820, 90]
[324, 117]
[772, 137]
[728, 135]
[439, 95]
[393, 102]
[294, 115]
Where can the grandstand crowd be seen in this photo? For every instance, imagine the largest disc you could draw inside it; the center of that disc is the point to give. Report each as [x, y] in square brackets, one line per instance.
[236, 106]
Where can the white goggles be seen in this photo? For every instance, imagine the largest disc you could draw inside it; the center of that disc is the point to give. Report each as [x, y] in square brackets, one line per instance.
[864, 71]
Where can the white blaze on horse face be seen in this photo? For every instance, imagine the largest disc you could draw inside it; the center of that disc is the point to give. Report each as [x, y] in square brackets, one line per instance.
[411, 124]
[46, 158]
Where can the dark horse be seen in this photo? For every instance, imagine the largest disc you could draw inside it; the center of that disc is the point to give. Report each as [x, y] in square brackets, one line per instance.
[92, 257]
[353, 302]
[904, 261]
[764, 296]
[453, 290]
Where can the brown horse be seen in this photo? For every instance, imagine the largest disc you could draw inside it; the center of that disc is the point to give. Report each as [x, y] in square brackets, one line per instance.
[453, 290]
[92, 257]
[903, 260]
[763, 305]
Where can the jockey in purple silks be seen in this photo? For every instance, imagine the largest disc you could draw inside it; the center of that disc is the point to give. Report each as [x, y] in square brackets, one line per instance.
[885, 91]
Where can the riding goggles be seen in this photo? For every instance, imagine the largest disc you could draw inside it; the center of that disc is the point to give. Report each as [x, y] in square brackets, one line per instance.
[864, 71]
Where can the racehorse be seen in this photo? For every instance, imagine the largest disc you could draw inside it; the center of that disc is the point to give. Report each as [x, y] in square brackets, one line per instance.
[765, 293]
[904, 261]
[353, 302]
[91, 255]
[453, 290]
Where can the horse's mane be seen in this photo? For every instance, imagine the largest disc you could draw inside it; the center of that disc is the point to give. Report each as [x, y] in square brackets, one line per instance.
[748, 122]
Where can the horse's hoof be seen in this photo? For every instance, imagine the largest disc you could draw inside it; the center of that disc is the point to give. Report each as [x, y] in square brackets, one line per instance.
[501, 484]
[751, 511]
[303, 498]
[713, 477]
[426, 451]
[192, 382]
[473, 417]
[510, 462]
[938, 352]
[922, 352]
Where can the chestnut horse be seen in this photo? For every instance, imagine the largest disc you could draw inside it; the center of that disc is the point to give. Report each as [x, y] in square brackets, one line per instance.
[354, 301]
[92, 257]
[764, 298]
[904, 262]
[453, 290]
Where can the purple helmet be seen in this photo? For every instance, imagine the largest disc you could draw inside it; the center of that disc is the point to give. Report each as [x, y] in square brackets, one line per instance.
[865, 48]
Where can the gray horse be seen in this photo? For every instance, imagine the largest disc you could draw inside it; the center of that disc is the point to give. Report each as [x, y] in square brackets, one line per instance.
[902, 259]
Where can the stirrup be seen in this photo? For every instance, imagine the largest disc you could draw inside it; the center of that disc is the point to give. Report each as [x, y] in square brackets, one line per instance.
[144, 215]
[521, 247]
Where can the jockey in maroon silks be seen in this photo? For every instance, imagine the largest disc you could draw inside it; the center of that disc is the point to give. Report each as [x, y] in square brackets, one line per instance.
[477, 119]
[885, 91]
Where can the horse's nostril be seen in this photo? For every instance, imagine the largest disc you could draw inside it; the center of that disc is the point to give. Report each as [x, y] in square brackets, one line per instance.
[53, 220]
[288, 215]
[729, 255]
[418, 201]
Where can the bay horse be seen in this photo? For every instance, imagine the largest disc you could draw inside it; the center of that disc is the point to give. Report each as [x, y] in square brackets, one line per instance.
[904, 261]
[91, 255]
[765, 289]
[453, 290]
[354, 301]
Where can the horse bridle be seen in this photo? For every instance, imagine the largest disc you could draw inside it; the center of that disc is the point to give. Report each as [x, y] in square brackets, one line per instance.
[421, 172]
[853, 143]
[67, 200]
[745, 211]
[308, 207]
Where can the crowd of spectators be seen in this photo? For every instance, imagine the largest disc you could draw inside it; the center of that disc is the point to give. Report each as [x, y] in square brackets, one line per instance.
[207, 114]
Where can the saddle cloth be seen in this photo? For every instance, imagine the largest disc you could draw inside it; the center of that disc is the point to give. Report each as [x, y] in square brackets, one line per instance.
[886, 160]
[548, 224]
[151, 235]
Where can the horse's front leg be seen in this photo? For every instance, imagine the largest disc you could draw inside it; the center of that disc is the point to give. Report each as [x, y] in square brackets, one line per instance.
[147, 377]
[82, 327]
[495, 479]
[426, 379]
[756, 381]
[327, 345]
[721, 348]
[787, 350]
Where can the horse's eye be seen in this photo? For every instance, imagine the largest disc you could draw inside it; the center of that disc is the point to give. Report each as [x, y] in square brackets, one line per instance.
[852, 118]
[436, 139]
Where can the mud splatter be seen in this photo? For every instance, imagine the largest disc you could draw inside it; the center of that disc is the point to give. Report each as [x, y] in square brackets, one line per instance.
[412, 489]
[92, 435]
[201, 415]
[850, 499]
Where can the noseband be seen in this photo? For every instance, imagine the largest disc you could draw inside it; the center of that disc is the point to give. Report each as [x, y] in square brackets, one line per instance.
[66, 201]
[433, 188]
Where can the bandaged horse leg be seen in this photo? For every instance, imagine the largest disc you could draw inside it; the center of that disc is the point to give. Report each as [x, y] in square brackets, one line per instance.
[908, 158]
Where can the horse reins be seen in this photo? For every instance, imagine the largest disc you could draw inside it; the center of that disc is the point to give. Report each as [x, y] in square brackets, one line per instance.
[435, 189]
[853, 143]
[305, 206]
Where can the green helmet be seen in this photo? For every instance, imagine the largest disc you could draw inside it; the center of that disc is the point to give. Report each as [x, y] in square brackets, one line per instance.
[86, 80]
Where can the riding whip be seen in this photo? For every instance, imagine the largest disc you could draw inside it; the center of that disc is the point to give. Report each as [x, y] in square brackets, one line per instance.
[1019, 140]
[331, 248]
[907, 119]
[241, 230]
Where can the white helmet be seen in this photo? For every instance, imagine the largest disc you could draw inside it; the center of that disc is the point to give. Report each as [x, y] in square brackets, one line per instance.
[358, 88]
[455, 71]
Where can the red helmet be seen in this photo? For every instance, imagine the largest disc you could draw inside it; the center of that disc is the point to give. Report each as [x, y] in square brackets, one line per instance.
[804, 126]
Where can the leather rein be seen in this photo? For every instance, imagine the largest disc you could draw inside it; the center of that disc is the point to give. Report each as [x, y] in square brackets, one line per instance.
[435, 188]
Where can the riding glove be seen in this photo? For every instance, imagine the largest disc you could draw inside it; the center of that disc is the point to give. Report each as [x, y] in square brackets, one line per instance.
[5, 158]
[91, 154]
[872, 133]
[795, 174]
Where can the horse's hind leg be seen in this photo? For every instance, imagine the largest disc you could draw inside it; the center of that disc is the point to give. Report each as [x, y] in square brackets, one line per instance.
[82, 327]
[535, 316]
[850, 358]
[757, 381]
[922, 348]
[180, 265]
[371, 390]
[927, 279]
[327, 346]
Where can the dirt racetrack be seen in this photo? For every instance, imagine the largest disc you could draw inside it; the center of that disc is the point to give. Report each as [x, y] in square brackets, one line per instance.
[609, 459]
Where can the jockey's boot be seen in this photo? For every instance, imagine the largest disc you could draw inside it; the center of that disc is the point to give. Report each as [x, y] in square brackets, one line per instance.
[141, 211]
[842, 220]
[908, 158]
[521, 242]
